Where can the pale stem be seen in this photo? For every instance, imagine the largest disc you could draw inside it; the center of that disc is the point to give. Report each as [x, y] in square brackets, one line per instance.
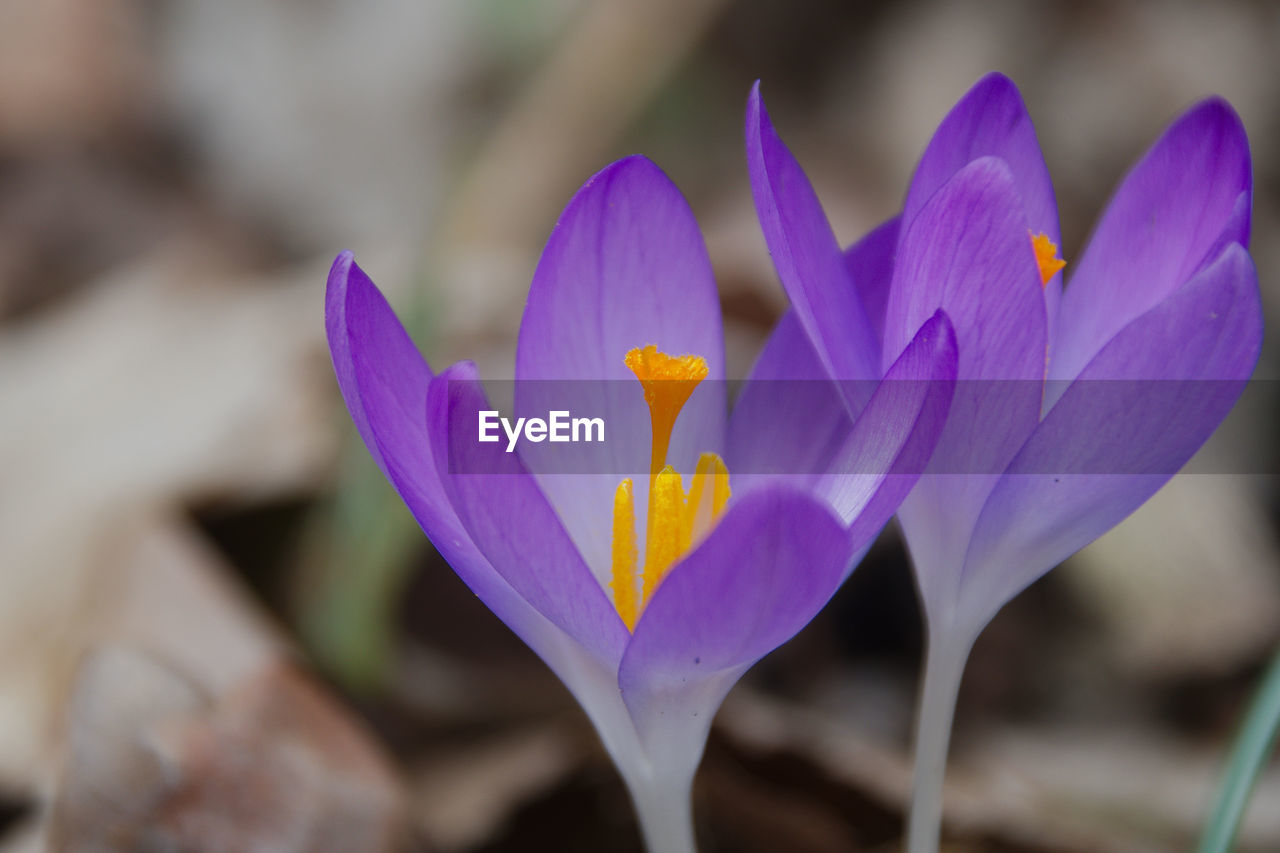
[944, 665]
[665, 811]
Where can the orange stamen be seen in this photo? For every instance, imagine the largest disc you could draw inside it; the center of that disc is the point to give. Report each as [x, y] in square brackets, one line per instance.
[1046, 257]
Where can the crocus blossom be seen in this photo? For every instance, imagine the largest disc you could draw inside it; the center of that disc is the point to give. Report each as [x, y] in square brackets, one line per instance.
[1074, 405]
[649, 602]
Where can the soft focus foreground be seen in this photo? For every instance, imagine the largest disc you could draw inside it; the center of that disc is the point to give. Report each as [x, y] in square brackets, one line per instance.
[221, 630]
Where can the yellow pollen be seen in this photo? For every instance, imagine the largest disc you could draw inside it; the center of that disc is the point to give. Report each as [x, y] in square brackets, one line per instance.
[624, 554]
[668, 531]
[1046, 257]
[706, 504]
[667, 382]
[675, 522]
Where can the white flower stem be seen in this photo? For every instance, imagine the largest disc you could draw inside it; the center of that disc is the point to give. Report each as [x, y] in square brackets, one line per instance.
[665, 810]
[944, 665]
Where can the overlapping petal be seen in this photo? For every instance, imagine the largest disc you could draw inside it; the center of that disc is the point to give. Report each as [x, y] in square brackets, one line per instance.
[506, 514]
[384, 381]
[991, 120]
[788, 419]
[759, 577]
[806, 254]
[969, 254]
[887, 449]
[1186, 200]
[870, 266]
[1134, 416]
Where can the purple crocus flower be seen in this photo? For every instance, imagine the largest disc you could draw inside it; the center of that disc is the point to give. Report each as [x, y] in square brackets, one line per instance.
[1074, 404]
[728, 574]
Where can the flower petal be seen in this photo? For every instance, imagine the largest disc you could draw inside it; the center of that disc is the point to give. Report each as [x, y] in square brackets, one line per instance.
[767, 568]
[888, 448]
[507, 516]
[1135, 415]
[870, 266]
[789, 419]
[625, 267]
[387, 356]
[968, 253]
[991, 120]
[806, 254]
[1183, 202]
[384, 382]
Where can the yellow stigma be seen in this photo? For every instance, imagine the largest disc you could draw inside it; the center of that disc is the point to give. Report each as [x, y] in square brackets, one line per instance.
[667, 382]
[675, 521]
[1046, 257]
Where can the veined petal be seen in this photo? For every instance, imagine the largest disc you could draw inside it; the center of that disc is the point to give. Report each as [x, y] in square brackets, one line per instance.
[1187, 198]
[991, 120]
[1135, 415]
[888, 448]
[505, 513]
[789, 419]
[806, 254]
[767, 568]
[625, 267]
[384, 381]
[968, 253]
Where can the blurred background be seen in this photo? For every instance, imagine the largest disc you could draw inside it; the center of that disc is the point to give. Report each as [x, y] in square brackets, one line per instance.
[219, 629]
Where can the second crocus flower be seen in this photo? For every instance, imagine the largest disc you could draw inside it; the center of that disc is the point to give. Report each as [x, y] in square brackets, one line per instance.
[1074, 404]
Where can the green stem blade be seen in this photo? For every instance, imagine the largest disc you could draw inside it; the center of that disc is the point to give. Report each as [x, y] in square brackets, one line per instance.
[1253, 746]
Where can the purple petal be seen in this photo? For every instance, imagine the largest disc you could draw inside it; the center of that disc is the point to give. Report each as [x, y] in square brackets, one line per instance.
[509, 519]
[1136, 414]
[625, 267]
[789, 418]
[1186, 199]
[991, 120]
[384, 382]
[969, 254]
[870, 266]
[806, 254]
[767, 568]
[894, 437]
[385, 349]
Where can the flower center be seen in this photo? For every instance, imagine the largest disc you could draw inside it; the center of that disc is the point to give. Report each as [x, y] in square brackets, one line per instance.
[1046, 257]
[675, 519]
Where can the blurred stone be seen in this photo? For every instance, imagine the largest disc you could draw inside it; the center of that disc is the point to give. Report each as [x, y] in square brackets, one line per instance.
[270, 767]
[168, 383]
[1187, 585]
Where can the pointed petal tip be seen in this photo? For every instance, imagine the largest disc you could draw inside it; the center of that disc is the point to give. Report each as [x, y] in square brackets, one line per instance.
[996, 82]
[757, 120]
[460, 371]
[1218, 109]
[940, 331]
[340, 271]
[621, 167]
